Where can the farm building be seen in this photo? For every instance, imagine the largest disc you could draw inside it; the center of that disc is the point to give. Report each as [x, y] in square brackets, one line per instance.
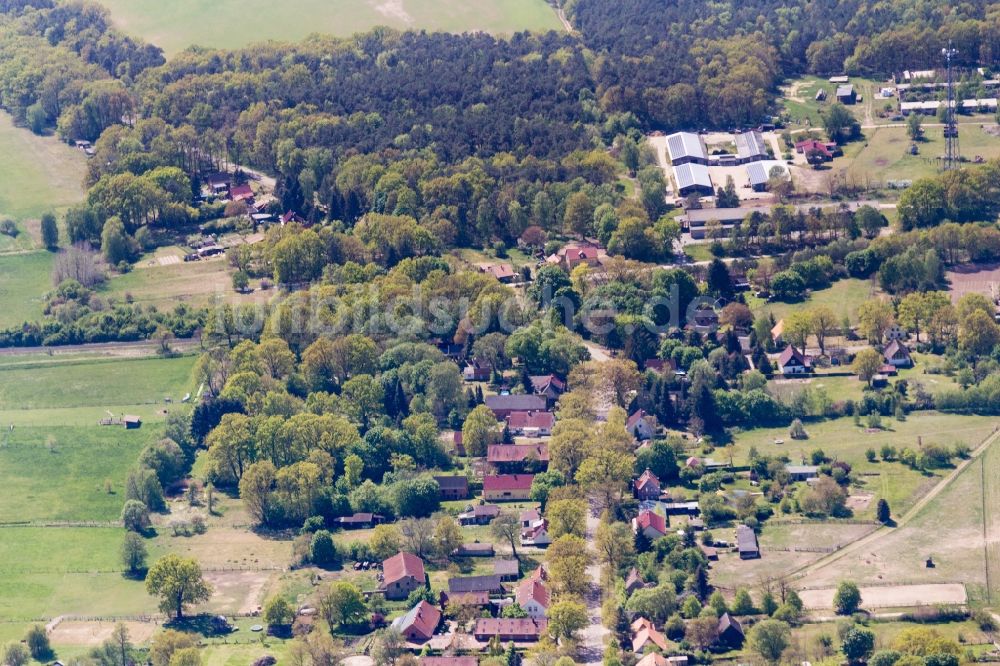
[360, 521]
[750, 147]
[474, 550]
[692, 178]
[513, 458]
[686, 148]
[453, 487]
[508, 570]
[131, 422]
[522, 630]
[746, 543]
[402, 573]
[843, 78]
[489, 583]
[758, 173]
[730, 632]
[846, 94]
[801, 472]
[507, 487]
[419, 624]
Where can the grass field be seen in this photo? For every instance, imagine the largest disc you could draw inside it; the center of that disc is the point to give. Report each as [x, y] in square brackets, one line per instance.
[95, 383]
[24, 279]
[38, 173]
[843, 297]
[800, 99]
[884, 155]
[229, 23]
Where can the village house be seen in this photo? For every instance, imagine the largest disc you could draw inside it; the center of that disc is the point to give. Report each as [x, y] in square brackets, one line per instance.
[502, 272]
[521, 630]
[529, 516]
[488, 583]
[448, 661]
[505, 405]
[898, 355]
[419, 624]
[478, 599]
[360, 521]
[536, 534]
[507, 487]
[534, 598]
[640, 425]
[657, 659]
[827, 150]
[792, 362]
[645, 637]
[746, 543]
[508, 570]
[549, 386]
[634, 581]
[647, 486]
[516, 458]
[574, 254]
[453, 487]
[650, 523]
[539, 573]
[480, 514]
[658, 365]
[477, 371]
[241, 193]
[401, 574]
[531, 424]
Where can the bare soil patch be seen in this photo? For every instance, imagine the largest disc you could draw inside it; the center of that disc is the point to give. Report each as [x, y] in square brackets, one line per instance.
[891, 596]
[78, 633]
[979, 278]
[859, 502]
[237, 591]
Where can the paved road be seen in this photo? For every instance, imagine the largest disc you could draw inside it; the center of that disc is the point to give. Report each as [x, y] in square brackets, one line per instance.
[591, 647]
[901, 521]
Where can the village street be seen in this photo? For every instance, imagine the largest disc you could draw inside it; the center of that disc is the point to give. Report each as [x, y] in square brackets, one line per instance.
[591, 650]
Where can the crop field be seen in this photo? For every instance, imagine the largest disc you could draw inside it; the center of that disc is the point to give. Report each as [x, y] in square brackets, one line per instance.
[230, 24]
[96, 384]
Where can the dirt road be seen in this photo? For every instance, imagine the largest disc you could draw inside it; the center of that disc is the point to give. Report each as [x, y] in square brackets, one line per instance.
[591, 649]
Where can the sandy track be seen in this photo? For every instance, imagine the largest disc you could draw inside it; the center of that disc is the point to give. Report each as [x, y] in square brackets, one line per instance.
[891, 596]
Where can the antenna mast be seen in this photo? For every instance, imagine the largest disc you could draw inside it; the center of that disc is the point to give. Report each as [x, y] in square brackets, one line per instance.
[951, 150]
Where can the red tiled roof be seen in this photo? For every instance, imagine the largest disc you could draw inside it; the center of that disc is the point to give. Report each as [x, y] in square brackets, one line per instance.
[520, 420]
[539, 573]
[492, 626]
[532, 589]
[505, 453]
[238, 192]
[423, 619]
[632, 420]
[402, 565]
[651, 519]
[500, 271]
[646, 479]
[530, 515]
[508, 482]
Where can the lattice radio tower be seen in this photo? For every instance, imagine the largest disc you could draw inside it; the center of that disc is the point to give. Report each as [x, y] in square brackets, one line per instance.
[951, 151]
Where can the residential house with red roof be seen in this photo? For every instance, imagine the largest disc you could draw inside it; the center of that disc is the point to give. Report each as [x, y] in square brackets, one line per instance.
[505, 405]
[650, 523]
[401, 574]
[419, 624]
[531, 424]
[502, 272]
[534, 598]
[647, 486]
[453, 487]
[536, 534]
[645, 637]
[519, 630]
[507, 487]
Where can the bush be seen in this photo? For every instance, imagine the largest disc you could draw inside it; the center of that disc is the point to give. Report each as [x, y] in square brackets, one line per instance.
[322, 550]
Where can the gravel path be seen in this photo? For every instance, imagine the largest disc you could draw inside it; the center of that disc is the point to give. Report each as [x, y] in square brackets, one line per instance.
[591, 649]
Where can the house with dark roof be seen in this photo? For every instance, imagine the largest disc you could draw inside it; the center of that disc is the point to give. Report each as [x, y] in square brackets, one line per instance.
[480, 514]
[801, 472]
[730, 632]
[489, 583]
[520, 630]
[514, 458]
[846, 93]
[401, 574]
[507, 487]
[640, 425]
[898, 355]
[505, 405]
[634, 581]
[650, 523]
[360, 521]
[477, 371]
[647, 486]
[533, 597]
[792, 362]
[746, 543]
[453, 487]
[419, 624]
[531, 424]
[475, 549]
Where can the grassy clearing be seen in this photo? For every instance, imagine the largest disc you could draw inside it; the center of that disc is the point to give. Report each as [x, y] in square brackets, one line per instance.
[885, 154]
[37, 173]
[800, 99]
[841, 439]
[95, 383]
[843, 297]
[182, 23]
[58, 472]
[24, 280]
